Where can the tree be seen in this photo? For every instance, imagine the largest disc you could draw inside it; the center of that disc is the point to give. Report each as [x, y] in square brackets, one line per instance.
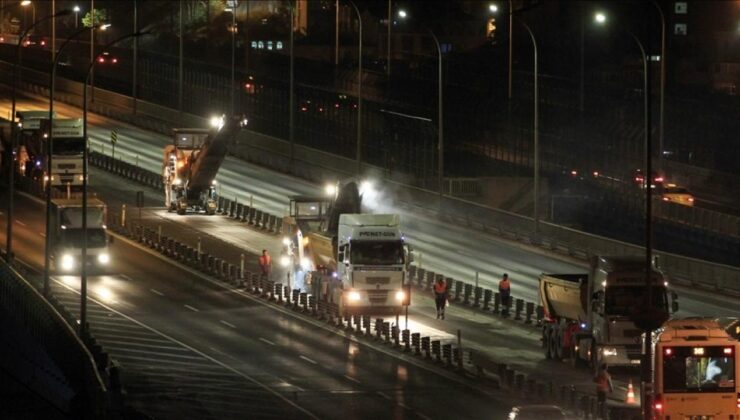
[101, 16]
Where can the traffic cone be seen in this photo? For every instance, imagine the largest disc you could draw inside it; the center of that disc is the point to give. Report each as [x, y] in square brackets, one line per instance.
[630, 394]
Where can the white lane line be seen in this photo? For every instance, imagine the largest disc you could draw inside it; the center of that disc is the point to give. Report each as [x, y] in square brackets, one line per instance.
[352, 379]
[307, 359]
[156, 292]
[264, 340]
[42, 234]
[402, 405]
[19, 222]
[384, 395]
[228, 324]
[423, 416]
[192, 308]
[126, 277]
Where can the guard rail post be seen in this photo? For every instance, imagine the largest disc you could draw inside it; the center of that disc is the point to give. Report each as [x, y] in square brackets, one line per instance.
[529, 312]
[458, 290]
[311, 304]
[378, 328]
[396, 336]
[447, 354]
[387, 331]
[518, 309]
[406, 337]
[426, 347]
[487, 296]
[478, 293]
[416, 343]
[367, 324]
[436, 350]
[468, 289]
[540, 312]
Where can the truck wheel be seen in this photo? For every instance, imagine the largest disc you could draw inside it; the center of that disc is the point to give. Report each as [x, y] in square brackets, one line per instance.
[546, 342]
[554, 353]
[558, 341]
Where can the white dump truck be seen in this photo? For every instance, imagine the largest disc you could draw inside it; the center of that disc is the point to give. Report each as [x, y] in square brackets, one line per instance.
[588, 316]
[355, 261]
[67, 235]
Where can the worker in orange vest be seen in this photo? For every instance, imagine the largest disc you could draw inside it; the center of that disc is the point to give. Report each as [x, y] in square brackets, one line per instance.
[603, 385]
[504, 290]
[440, 297]
[265, 263]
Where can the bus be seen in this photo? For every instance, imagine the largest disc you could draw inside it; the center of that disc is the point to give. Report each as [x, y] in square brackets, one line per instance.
[695, 366]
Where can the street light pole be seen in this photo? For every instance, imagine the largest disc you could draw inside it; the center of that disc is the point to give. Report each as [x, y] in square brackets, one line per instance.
[336, 33]
[233, 56]
[440, 123]
[291, 113]
[511, 45]
[390, 23]
[13, 127]
[359, 91]
[50, 153]
[135, 70]
[662, 86]
[181, 67]
[536, 215]
[83, 258]
[647, 347]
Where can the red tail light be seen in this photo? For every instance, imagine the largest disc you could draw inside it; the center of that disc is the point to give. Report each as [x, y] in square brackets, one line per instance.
[658, 403]
[101, 60]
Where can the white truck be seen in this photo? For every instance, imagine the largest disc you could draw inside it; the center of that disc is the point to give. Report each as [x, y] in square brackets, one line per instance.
[587, 317]
[68, 152]
[67, 234]
[355, 261]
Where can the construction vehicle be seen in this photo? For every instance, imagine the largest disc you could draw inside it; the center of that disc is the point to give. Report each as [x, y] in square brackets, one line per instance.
[352, 261]
[588, 317]
[695, 368]
[67, 152]
[191, 162]
[30, 156]
[67, 234]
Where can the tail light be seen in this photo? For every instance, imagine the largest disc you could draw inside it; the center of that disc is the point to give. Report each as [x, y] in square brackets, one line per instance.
[658, 403]
[666, 199]
[691, 199]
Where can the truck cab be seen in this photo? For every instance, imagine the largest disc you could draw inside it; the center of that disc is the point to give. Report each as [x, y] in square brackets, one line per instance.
[68, 235]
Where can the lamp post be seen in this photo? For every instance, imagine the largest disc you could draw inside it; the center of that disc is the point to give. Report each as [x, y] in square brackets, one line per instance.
[662, 86]
[50, 152]
[76, 9]
[536, 213]
[440, 112]
[359, 91]
[291, 104]
[647, 183]
[390, 23]
[83, 257]
[11, 174]
[233, 56]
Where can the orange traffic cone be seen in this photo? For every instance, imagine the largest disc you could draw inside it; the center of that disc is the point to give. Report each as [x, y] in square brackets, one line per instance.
[630, 394]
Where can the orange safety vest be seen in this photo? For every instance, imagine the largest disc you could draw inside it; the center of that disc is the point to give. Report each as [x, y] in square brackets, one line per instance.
[602, 381]
[440, 288]
[504, 285]
[265, 260]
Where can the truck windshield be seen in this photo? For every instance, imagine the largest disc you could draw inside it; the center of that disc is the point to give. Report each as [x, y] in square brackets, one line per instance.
[376, 252]
[713, 371]
[69, 146]
[95, 238]
[621, 300]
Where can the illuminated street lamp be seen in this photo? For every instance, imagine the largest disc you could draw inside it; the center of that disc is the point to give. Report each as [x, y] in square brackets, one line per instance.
[76, 9]
[440, 112]
[83, 257]
[647, 348]
[11, 174]
[359, 90]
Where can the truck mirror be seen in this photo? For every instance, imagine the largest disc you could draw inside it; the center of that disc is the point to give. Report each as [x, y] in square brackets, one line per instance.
[674, 296]
[340, 257]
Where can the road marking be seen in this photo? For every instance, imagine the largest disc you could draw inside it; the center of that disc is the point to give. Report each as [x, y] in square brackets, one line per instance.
[402, 405]
[352, 379]
[156, 292]
[264, 340]
[126, 277]
[19, 222]
[384, 395]
[228, 324]
[192, 309]
[43, 235]
[307, 359]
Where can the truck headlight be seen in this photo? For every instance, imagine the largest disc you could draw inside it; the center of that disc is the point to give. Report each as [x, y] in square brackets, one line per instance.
[305, 264]
[68, 262]
[609, 351]
[354, 296]
[103, 258]
[400, 295]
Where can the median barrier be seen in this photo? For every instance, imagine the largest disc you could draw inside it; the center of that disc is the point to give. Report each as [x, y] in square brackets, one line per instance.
[436, 350]
[518, 307]
[467, 289]
[529, 312]
[478, 292]
[458, 286]
[447, 354]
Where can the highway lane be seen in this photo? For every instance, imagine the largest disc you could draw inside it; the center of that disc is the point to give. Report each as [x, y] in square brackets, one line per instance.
[170, 328]
[457, 252]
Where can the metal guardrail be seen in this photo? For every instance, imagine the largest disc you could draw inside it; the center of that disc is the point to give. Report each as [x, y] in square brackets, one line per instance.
[48, 328]
[316, 165]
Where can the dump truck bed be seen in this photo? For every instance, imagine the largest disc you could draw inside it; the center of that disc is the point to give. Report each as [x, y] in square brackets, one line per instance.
[564, 295]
